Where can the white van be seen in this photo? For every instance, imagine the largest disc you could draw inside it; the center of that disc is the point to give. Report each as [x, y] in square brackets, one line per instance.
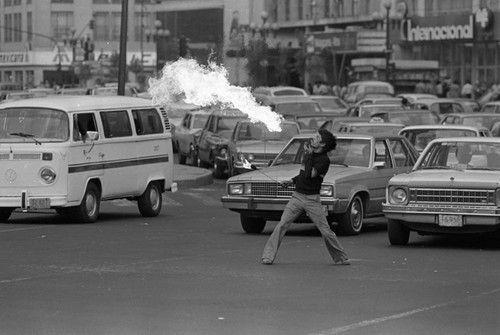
[69, 153]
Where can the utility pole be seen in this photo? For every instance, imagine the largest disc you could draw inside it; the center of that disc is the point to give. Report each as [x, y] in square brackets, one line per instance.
[122, 62]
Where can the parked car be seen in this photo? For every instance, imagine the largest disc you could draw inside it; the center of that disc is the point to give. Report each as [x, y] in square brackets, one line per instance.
[214, 139]
[472, 119]
[187, 133]
[292, 104]
[263, 93]
[369, 109]
[360, 90]
[452, 189]
[407, 117]
[252, 142]
[331, 104]
[420, 136]
[353, 188]
[414, 97]
[333, 125]
[491, 107]
[442, 106]
[370, 127]
[176, 112]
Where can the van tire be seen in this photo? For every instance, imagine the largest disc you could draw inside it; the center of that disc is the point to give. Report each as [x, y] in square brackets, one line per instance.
[5, 213]
[150, 201]
[88, 211]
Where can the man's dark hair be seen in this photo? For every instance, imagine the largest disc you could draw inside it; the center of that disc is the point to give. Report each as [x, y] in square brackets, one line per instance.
[329, 140]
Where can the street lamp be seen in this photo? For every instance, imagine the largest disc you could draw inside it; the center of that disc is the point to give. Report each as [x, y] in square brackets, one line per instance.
[388, 48]
[160, 37]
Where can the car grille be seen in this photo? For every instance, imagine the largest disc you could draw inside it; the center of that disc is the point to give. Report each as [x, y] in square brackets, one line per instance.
[273, 189]
[447, 196]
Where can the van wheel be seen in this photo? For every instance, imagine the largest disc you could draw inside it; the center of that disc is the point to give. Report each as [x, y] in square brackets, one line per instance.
[150, 201]
[351, 222]
[88, 211]
[5, 213]
[252, 225]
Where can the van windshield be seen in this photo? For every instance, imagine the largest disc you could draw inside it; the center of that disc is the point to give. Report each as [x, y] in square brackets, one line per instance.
[44, 125]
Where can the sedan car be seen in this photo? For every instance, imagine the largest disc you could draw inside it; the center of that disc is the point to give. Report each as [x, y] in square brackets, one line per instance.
[421, 135]
[186, 135]
[472, 119]
[254, 143]
[214, 139]
[443, 106]
[353, 188]
[453, 188]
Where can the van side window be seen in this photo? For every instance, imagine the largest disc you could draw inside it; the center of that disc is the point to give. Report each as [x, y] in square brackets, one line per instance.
[147, 121]
[81, 124]
[116, 124]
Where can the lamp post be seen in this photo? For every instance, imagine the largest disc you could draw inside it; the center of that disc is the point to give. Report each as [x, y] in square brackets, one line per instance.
[388, 48]
[160, 37]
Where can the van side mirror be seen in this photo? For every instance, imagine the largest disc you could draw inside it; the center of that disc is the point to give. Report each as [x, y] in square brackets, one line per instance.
[93, 135]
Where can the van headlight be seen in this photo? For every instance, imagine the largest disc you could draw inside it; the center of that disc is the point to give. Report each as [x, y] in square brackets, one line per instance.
[398, 195]
[48, 175]
[326, 191]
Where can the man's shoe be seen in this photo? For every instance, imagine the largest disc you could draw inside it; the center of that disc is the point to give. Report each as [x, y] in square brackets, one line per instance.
[267, 261]
[343, 262]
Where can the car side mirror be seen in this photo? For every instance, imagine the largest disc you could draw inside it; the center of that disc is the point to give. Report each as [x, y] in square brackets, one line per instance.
[379, 165]
[93, 135]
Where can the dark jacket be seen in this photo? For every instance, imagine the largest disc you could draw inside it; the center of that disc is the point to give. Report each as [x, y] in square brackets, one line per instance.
[304, 184]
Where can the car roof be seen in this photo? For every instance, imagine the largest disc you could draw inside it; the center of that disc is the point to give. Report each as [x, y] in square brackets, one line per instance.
[438, 100]
[494, 103]
[270, 90]
[443, 126]
[79, 103]
[355, 136]
[464, 115]
[376, 124]
[290, 99]
[481, 139]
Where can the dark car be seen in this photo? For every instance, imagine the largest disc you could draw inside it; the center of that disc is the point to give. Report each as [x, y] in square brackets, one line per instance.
[214, 139]
[186, 135]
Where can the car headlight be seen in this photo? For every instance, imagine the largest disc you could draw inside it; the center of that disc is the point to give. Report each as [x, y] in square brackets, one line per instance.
[48, 175]
[326, 191]
[235, 189]
[398, 195]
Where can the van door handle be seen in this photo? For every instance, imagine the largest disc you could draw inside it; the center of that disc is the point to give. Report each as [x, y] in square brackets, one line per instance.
[101, 155]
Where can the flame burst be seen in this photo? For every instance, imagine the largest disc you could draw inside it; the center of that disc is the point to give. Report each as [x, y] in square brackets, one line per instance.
[206, 86]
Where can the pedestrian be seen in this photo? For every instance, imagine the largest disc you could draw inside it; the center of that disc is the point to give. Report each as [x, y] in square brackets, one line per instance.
[439, 89]
[306, 198]
[454, 91]
[467, 90]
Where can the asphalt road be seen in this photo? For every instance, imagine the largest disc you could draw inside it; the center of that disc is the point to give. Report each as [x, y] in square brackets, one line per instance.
[192, 270]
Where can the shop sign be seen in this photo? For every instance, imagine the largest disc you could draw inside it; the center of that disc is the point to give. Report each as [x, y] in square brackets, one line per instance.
[14, 58]
[438, 29]
[337, 41]
[371, 41]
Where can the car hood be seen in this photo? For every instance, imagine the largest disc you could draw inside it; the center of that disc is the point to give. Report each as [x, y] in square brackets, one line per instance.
[260, 147]
[288, 171]
[448, 178]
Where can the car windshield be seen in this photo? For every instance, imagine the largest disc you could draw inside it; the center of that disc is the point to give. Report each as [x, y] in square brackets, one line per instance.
[19, 125]
[311, 122]
[199, 120]
[226, 125]
[368, 111]
[259, 131]
[296, 107]
[421, 137]
[350, 152]
[462, 156]
[481, 120]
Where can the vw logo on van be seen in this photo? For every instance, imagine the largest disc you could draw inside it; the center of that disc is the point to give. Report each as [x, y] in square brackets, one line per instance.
[10, 175]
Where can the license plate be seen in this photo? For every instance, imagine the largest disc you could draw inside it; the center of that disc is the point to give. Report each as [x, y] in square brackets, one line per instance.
[39, 203]
[450, 220]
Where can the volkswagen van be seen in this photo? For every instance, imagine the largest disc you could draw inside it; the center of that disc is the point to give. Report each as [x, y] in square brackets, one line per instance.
[69, 153]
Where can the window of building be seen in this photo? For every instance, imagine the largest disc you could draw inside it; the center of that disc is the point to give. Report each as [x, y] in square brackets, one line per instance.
[61, 1]
[141, 25]
[7, 3]
[8, 30]
[116, 25]
[30, 78]
[116, 124]
[18, 78]
[287, 10]
[17, 36]
[17, 2]
[29, 26]
[101, 30]
[326, 8]
[61, 22]
[300, 9]
[107, 2]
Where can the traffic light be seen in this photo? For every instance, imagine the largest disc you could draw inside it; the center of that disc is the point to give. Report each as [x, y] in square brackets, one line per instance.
[183, 47]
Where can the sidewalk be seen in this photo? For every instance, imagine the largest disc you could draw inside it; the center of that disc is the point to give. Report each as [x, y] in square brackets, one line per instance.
[189, 176]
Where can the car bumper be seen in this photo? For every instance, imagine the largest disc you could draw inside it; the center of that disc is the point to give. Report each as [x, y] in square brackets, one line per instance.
[430, 215]
[254, 204]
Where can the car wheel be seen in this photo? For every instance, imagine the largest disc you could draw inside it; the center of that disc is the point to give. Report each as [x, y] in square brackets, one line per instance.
[351, 222]
[88, 211]
[218, 170]
[5, 213]
[398, 233]
[150, 201]
[252, 225]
